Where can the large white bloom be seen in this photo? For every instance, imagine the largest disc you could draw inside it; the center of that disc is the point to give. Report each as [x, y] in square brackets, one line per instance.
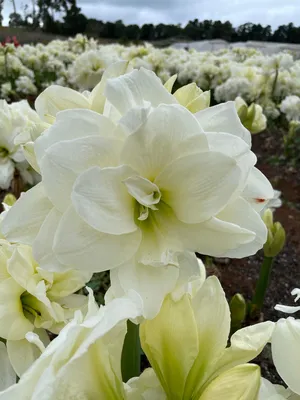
[132, 190]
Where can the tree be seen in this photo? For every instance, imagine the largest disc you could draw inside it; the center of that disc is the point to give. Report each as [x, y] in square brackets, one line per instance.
[1, 9]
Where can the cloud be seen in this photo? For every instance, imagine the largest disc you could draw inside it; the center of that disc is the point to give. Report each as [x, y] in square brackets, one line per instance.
[272, 12]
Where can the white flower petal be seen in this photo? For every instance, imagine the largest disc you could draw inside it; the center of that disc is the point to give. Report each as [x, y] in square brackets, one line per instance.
[286, 351]
[65, 160]
[151, 283]
[57, 98]
[7, 170]
[258, 190]
[102, 200]
[133, 89]
[43, 243]
[23, 221]
[165, 136]
[198, 186]
[73, 124]
[223, 118]
[78, 245]
[7, 374]
[240, 213]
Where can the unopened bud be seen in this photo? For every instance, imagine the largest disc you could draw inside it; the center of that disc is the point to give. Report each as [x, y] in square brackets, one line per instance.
[276, 236]
[238, 309]
[9, 199]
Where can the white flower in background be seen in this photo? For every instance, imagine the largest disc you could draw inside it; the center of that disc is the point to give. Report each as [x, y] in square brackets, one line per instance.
[252, 117]
[202, 366]
[7, 373]
[89, 67]
[33, 299]
[25, 86]
[84, 361]
[290, 106]
[16, 120]
[133, 193]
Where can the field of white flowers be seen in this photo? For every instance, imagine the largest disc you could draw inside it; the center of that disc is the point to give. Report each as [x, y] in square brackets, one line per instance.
[120, 164]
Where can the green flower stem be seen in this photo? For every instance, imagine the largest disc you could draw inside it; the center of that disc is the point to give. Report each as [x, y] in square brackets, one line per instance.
[131, 354]
[261, 286]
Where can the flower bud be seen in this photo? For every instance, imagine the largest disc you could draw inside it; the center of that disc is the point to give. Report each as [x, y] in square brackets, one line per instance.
[9, 199]
[238, 308]
[276, 235]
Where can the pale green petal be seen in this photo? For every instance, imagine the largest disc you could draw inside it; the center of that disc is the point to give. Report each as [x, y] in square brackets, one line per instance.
[13, 324]
[171, 344]
[212, 316]
[239, 383]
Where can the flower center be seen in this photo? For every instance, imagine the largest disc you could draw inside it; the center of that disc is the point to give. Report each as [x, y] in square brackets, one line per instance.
[3, 152]
[146, 193]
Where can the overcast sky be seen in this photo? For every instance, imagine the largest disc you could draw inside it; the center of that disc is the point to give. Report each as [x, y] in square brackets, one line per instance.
[273, 12]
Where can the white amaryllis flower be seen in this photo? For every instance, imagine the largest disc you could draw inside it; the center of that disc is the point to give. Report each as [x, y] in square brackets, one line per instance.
[33, 299]
[131, 191]
[15, 120]
[84, 361]
[190, 355]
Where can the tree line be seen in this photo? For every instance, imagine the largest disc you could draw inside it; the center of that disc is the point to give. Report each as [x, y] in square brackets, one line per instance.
[64, 17]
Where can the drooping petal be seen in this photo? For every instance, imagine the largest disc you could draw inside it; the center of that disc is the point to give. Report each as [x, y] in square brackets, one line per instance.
[198, 186]
[286, 351]
[64, 161]
[79, 246]
[23, 221]
[162, 138]
[7, 374]
[56, 98]
[102, 200]
[151, 283]
[242, 214]
[258, 190]
[223, 118]
[136, 88]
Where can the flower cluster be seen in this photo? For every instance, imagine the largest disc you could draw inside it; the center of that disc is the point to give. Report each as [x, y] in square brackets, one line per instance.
[135, 177]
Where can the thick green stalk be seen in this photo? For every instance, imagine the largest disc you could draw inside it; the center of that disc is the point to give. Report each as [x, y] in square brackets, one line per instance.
[131, 354]
[261, 286]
